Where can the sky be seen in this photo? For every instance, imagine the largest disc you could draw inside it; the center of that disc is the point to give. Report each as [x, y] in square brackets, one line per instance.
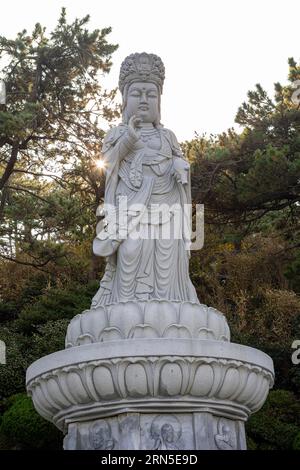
[214, 51]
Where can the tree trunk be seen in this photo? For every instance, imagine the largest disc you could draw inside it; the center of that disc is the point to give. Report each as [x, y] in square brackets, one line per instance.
[10, 165]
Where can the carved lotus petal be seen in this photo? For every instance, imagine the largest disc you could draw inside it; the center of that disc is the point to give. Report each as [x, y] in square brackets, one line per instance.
[161, 314]
[255, 400]
[94, 321]
[85, 339]
[261, 396]
[136, 380]
[103, 383]
[41, 406]
[203, 381]
[206, 333]
[42, 401]
[215, 322]
[57, 396]
[171, 379]
[230, 383]
[143, 331]
[73, 331]
[111, 334]
[124, 316]
[225, 337]
[250, 387]
[77, 388]
[177, 331]
[193, 316]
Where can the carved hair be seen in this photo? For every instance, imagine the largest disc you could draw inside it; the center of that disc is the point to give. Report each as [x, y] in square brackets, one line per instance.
[142, 68]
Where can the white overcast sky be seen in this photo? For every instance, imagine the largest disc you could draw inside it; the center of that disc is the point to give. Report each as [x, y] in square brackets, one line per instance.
[214, 51]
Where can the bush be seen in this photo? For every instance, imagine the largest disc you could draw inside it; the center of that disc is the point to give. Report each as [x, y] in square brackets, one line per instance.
[276, 425]
[12, 374]
[49, 338]
[296, 443]
[22, 428]
[55, 304]
[22, 350]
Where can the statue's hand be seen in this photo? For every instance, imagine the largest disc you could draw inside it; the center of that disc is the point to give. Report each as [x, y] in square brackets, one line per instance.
[180, 170]
[134, 127]
[177, 176]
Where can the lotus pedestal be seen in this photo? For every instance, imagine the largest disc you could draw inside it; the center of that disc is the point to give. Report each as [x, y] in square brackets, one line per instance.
[163, 383]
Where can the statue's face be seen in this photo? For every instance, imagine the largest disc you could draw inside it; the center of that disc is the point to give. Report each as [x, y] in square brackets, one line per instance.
[98, 438]
[167, 433]
[143, 101]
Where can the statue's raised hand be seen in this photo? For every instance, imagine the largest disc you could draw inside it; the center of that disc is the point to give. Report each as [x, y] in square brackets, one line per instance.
[134, 127]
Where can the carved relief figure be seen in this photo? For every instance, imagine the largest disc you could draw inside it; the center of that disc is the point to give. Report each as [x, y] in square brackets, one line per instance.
[165, 431]
[130, 431]
[145, 165]
[224, 439]
[100, 436]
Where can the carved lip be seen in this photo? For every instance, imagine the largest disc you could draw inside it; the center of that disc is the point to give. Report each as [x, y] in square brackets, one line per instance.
[151, 347]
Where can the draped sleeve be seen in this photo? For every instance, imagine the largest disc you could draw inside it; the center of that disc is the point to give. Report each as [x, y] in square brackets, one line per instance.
[185, 190]
[173, 142]
[116, 145]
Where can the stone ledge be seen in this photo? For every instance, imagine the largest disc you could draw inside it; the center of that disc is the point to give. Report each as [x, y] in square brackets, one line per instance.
[144, 375]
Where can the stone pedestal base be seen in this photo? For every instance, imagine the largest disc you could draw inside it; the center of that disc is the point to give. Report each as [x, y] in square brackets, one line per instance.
[151, 379]
[164, 431]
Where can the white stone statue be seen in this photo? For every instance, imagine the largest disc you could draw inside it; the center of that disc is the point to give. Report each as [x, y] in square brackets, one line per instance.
[144, 167]
[148, 366]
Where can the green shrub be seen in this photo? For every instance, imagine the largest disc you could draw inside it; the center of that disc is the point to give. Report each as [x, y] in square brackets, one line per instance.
[55, 304]
[22, 427]
[22, 350]
[49, 338]
[251, 445]
[276, 425]
[296, 443]
[12, 374]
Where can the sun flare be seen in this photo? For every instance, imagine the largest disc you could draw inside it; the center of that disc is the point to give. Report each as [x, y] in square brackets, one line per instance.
[100, 164]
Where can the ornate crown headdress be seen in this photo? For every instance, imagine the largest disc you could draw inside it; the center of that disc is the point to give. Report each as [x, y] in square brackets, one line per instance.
[142, 67]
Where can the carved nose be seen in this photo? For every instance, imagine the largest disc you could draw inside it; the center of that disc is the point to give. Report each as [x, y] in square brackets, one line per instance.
[143, 98]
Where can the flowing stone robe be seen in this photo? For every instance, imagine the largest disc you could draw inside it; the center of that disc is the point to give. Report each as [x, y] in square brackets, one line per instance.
[146, 268]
